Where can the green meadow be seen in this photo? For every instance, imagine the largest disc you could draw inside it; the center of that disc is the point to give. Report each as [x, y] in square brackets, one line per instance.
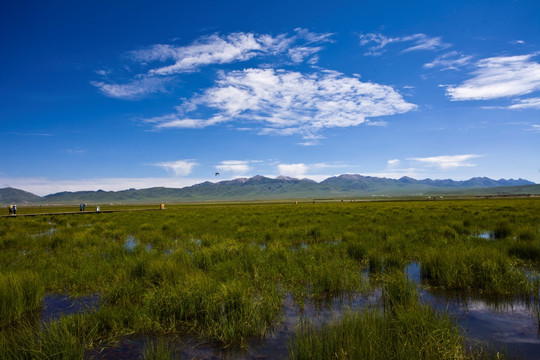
[220, 274]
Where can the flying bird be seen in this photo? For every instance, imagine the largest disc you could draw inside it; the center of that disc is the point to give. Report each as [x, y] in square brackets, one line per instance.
[217, 174]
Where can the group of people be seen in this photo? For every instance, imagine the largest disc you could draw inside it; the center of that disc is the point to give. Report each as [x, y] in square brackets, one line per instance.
[82, 207]
[12, 209]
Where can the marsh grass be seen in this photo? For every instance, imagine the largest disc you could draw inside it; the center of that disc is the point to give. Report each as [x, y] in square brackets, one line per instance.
[405, 329]
[230, 313]
[158, 349]
[20, 293]
[479, 269]
[202, 270]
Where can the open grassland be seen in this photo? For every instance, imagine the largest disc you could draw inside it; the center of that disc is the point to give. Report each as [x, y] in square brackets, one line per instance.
[220, 273]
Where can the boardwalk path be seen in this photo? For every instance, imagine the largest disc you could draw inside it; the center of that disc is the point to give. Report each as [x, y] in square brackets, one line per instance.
[78, 212]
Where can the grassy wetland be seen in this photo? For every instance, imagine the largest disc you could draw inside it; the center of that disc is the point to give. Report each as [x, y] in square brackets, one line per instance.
[344, 280]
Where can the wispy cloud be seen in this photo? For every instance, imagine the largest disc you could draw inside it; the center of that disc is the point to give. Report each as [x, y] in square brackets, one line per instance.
[447, 162]
[449, 61]
[213, 49]
[498, 77]
[236, 167]
[288, 102]
[134, 89]
[535, 127]
[179, 167]
[377, 42]
[223, 49]
[531, 103]
[161, 61]
[26, 134]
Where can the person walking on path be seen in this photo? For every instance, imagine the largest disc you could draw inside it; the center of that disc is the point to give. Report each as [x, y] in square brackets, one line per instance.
[10, 207]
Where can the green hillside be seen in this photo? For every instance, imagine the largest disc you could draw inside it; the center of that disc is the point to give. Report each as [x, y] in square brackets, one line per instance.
[263, 188]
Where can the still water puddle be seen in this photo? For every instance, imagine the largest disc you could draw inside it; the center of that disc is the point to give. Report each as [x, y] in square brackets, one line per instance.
[509, 325]
[130, 243]
[53, 306]
[49, 232]
[486, 235]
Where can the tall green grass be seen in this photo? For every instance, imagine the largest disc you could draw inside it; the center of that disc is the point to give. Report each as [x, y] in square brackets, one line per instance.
[220, 272]
[405, 329]
[474, 268]
[20, 293]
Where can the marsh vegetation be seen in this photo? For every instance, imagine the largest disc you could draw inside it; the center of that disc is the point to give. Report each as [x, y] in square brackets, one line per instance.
[314, 281]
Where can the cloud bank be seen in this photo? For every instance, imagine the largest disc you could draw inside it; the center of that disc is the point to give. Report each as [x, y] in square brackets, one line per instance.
[447, 162]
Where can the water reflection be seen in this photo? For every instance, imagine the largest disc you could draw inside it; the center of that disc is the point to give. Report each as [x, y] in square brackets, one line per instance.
[130, 243]
[507, 325]
[486, 235]
[510, 324]
[53, 306]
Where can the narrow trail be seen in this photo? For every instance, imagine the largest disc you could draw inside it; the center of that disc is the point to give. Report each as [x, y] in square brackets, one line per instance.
[79, 212]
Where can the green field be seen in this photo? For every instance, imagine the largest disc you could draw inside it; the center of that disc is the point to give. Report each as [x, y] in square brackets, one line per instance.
[221, 273]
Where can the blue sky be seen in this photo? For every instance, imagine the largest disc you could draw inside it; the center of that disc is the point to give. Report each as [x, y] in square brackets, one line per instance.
[167, 93]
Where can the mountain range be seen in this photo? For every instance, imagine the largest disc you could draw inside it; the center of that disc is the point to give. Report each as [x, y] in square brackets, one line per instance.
[264, 188]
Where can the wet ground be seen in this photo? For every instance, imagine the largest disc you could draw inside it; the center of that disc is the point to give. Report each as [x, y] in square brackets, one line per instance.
[509, 326]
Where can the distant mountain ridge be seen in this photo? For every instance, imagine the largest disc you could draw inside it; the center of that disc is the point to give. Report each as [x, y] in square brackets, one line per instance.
[263, 188]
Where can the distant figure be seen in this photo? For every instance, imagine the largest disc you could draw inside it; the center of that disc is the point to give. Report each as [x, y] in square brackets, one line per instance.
[162, 206]
[10, 207]
[98, 209]
[84, 207]
[81, 207]
[14, 209]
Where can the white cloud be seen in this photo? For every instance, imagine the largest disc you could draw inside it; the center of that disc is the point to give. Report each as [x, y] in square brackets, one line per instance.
[300, 53]
[162, 61]
[447, 162]
[449, 61]
[531, 103]
[393, 163]
[293, 170]
[134, 89]
[180, 167]
[176, 121]
[237, 167]
[222, 49]
[288, 102]
[419, 42]
[313, 38]
[213, 49]
[535, 127]
[423, 42]
[498, 77]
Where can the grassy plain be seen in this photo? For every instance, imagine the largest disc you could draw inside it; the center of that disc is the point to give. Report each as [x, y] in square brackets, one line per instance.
[220, 273]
